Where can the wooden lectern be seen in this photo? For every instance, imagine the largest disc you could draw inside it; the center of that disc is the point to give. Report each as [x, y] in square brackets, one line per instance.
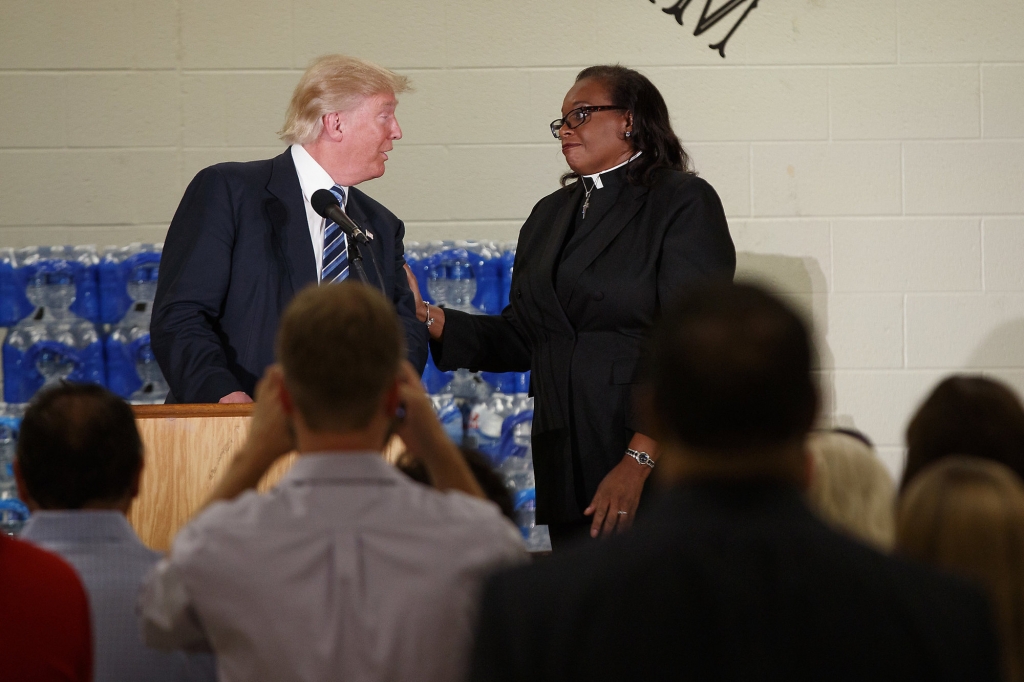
[187, 447]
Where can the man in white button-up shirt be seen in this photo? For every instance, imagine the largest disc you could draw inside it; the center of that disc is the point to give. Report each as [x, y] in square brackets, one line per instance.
[347, 569]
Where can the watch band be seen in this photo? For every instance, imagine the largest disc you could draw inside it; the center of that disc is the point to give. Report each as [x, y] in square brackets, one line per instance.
[641, 457]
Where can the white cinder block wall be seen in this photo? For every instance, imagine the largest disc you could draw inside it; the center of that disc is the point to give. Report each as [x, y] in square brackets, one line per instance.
[870, 153]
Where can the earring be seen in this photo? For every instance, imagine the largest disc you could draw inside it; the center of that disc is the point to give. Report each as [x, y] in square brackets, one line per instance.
[629, 133]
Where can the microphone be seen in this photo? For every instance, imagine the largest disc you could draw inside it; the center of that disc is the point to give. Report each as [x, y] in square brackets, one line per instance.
[327, 205]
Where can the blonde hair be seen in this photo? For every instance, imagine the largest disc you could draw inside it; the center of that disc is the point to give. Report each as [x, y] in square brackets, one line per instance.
[334, 82]
[966, 514]
[850, 489]
[340, 347]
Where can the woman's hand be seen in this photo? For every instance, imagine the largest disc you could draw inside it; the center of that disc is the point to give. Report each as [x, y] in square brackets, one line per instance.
[425, 311]
[620, 491]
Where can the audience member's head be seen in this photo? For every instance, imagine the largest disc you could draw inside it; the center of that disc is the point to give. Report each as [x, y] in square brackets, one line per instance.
[966, 515]
[731, 382]
[850, 488]
[340, 349]
[78, 448]
[494, 488]
[966, 415]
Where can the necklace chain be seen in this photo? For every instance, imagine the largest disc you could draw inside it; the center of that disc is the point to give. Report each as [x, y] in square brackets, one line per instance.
[586, 202]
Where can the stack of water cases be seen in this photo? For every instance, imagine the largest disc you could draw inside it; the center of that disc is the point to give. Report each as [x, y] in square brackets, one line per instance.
[13, 512]
[492, 413]
[128, 277]
[49, 297]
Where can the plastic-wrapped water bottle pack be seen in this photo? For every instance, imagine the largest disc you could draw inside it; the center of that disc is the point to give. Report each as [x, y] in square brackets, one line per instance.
[492, 413]
[76, 316]
[13, 512]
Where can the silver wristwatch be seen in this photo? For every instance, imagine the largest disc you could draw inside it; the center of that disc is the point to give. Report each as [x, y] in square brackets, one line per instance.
[641, 457]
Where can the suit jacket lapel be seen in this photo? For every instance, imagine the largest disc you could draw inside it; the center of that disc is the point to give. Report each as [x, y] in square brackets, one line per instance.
[631, 200]
[553, 246]
[286, 211]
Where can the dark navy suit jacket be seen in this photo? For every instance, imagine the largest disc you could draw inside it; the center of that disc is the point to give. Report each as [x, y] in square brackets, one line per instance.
[237, 251]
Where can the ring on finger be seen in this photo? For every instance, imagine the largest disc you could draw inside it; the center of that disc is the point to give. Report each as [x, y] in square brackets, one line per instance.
[622, 513]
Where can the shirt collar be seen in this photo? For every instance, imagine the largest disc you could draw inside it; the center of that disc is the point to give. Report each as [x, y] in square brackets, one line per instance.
[312, 176]
[596, 177]
[353, 465]
[79, 526]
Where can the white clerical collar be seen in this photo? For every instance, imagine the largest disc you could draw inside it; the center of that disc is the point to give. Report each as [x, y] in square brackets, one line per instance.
[312, 176]
[596, 177]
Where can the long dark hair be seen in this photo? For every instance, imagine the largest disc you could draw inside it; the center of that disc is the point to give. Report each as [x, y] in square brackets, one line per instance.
[652, 130]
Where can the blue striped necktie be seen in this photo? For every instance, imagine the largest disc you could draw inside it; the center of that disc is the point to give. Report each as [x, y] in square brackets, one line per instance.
[335, 261]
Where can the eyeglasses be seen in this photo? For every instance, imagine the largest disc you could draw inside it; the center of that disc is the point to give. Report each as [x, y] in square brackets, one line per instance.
[576, 118]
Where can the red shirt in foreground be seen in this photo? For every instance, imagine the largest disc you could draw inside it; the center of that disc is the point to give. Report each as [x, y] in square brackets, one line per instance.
[44, 617]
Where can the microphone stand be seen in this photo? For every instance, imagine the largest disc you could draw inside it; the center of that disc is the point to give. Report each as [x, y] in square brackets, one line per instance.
[356, 261]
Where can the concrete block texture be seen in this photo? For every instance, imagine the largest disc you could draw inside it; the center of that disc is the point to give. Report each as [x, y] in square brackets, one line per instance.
[396, 33]
[712, 104]
[905, 102]
[964, 177]
[123, 109]
[24, 97]
[822, 179]
[88, 34]
[854, 331]
[965, 330]
[97, 187]
[1003, 96]
[934, 31]
[237, 34]
[727, 168]
[907, 254]
[1003, 240]
[794, 256]
[235, 109]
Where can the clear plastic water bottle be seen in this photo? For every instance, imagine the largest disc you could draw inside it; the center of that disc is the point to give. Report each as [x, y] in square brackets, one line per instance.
[127, 274]
[486, 418]
[132, 369]
[449, 414]
[461, 280]
[508, 258]
[13, 512]
[41, 351]
[62, 280]
[436, 272]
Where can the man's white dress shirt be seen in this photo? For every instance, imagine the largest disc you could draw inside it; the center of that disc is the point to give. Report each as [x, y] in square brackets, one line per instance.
[347, 570]
[312, 177]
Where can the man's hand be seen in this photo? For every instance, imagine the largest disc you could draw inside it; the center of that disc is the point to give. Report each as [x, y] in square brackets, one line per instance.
[235, 398]
[270, 437]
[426, 440]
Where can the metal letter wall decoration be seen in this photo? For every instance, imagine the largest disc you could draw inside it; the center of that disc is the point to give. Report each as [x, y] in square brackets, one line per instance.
[707, 21]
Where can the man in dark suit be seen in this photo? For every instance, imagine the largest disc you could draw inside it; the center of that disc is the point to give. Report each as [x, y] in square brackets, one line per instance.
[731, 577]
[245, 238]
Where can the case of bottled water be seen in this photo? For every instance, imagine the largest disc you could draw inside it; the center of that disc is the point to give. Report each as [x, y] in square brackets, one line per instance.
[13, 512]
[58, 341]
[127, 274]
[128, 278]
[59, 278]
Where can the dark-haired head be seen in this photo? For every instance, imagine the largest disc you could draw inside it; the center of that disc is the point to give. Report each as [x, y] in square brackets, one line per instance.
[966, 415]
[731, 376]
[651, 131]
[79, 447]
[490, 482]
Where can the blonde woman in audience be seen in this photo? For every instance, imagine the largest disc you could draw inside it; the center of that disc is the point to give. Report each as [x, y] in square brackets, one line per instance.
[966, 514]
[850, 489]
